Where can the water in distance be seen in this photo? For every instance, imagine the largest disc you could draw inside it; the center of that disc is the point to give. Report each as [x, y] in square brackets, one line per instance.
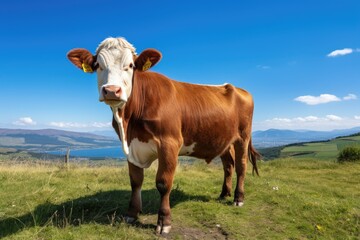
[115, 152]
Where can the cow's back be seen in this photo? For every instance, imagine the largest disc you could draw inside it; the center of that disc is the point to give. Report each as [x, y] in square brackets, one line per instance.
[212, 116]
[205, 118]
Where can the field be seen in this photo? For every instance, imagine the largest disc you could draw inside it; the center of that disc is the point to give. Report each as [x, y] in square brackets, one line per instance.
[292, 199]
[325, 150]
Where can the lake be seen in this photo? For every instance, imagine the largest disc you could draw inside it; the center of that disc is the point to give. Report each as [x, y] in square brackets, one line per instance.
[115, 152]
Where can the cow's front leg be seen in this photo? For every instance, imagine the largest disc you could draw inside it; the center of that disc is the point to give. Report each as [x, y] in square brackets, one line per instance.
[136, 180]
[164, 180]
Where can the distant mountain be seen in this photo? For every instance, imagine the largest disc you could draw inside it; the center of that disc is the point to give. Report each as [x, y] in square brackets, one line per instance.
[52, 139]
[277, 137]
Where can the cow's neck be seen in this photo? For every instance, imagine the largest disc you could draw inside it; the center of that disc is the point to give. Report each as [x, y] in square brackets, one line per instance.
[133, 109]
[122, 125]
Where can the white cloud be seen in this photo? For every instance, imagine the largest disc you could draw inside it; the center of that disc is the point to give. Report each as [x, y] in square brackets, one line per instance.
[295, 120]
[350, 96]
[25, 121]
[67, 125]
[285, 120]
[328, 122]
[324, 98]
[101, 125]
[341, 52]
[333, 118]
[80, 125]
[314, 100]
[306, 119]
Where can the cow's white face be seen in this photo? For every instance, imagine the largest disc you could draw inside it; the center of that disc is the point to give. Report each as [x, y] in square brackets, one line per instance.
[115, 73]
[115, 62]
[115, 69]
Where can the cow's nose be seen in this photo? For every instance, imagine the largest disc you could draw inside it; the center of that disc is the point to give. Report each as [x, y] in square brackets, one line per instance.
[112, 92]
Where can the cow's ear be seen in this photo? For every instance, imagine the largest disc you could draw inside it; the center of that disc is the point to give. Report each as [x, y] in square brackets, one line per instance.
[83, 59]
[147, 59]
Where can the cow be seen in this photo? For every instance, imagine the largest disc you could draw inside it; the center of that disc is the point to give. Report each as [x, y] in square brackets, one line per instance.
[159, 118]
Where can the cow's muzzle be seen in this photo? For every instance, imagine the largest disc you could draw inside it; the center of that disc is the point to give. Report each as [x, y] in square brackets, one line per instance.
[112, 95]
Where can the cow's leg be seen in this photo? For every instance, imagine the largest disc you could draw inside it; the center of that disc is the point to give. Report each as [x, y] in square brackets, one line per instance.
[164, 180]
[228, 164]
[136, 180]
[241, 159]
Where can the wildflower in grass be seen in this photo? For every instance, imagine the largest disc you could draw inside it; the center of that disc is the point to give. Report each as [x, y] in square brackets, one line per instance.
[319, 228]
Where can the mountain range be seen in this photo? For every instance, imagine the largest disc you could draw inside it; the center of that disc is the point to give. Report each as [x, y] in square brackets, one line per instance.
[277, 137]
[52, 139]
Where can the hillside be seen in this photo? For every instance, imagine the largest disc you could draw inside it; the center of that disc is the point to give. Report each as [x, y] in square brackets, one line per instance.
[321, 150]
[277, 137]
[302, 199]
[51, 139]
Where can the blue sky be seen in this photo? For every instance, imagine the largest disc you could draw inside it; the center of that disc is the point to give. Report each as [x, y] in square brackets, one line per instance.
[300, 59]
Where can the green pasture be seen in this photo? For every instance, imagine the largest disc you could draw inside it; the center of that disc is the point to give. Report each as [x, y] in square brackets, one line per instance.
[327, 150]
[292, 199]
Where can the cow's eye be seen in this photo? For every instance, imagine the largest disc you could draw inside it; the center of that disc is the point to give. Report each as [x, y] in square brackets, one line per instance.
[131, 66]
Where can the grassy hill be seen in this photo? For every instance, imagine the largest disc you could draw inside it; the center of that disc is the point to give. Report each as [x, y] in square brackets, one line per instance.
[327, 150]
[322, 150]
[292, 199]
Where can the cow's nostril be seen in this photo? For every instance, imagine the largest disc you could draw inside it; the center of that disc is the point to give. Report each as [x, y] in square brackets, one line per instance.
[104, 91]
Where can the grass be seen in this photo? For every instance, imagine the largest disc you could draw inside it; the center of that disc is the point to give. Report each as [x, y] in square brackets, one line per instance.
[292, 199]
[326, 150]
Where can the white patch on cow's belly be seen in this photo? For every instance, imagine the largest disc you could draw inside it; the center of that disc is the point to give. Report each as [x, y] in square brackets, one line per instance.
[142, 154]
[187, 150]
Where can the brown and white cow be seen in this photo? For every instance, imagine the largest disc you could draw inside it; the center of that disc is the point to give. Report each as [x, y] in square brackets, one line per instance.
[159, 118]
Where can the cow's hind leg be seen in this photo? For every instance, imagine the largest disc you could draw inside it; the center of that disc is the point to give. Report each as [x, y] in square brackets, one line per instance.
[241, 159]
[135, 205]
[228, 164]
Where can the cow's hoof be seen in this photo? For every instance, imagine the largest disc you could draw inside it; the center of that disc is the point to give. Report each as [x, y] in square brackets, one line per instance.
[223, 197]
[129, 220]
[163, 229]
[238, 204]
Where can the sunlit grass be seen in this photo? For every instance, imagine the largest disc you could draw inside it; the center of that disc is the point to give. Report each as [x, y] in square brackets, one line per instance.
[292, 199]
[327, 150]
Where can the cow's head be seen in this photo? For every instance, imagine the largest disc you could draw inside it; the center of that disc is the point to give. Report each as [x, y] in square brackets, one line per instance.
[115, 63]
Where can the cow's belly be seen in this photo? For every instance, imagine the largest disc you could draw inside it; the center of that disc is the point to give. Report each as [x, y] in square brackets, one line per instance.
[142, 154]
[212, 148]
[206, 151]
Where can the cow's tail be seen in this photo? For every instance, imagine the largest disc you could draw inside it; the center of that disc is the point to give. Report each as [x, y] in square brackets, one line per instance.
[253, 157]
